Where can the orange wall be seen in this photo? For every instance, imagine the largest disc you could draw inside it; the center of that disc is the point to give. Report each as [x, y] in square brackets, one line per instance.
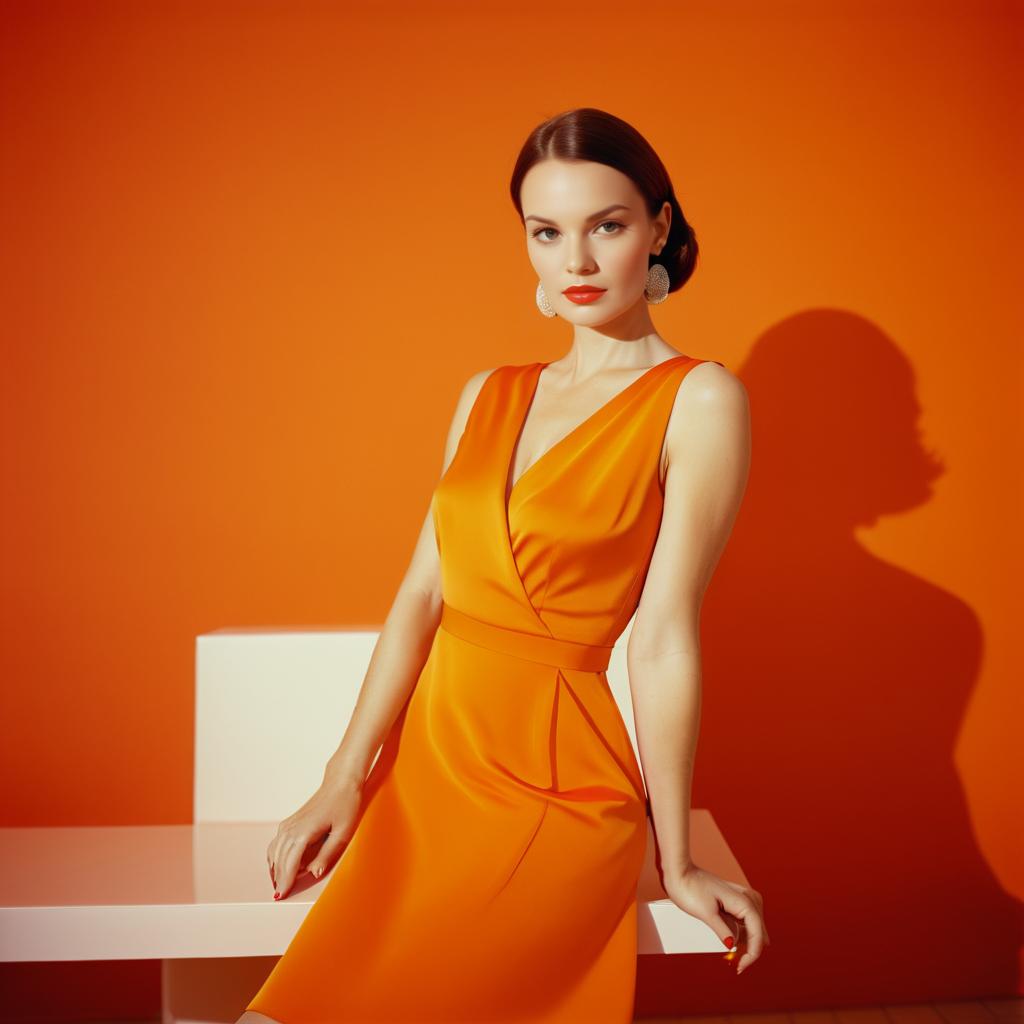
[253, 251]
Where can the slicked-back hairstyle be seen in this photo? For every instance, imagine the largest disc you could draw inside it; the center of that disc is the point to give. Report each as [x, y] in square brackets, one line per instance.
[587, 133]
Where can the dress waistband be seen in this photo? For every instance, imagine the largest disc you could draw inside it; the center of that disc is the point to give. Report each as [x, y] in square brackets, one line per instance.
[547, 650]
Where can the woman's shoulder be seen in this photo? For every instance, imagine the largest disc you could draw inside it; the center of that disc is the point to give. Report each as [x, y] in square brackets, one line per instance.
[472, 387]
[713, 381]
[471, 390]
[711, 401]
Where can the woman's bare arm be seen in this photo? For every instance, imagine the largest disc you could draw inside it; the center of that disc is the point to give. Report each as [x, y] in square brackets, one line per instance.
[331, 814]
[708, 452]
[406, 637]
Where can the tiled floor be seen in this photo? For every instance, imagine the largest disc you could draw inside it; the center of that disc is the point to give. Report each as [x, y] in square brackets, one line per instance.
[988, 1011]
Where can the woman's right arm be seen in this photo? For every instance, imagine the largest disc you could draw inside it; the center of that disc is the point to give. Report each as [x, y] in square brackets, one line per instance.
[395, 665]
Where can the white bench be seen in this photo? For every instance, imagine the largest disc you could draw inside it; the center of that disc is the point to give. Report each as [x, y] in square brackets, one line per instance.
[271, 705]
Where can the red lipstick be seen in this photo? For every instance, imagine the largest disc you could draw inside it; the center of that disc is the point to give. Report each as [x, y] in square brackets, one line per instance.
[583, 293]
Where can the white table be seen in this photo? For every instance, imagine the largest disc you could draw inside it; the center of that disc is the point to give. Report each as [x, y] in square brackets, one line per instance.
[198, 897]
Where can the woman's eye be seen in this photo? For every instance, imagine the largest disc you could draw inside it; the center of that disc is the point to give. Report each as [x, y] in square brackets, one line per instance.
[614, 223]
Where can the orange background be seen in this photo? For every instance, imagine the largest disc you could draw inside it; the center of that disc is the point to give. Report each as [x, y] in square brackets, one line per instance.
[252, 252]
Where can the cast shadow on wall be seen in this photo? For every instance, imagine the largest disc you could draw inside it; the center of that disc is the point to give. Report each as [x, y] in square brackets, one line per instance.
[835, 686]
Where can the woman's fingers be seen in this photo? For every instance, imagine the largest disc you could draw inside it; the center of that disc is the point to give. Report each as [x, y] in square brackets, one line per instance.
[722, 923]
[330, 815]
[277, 856]
[327, 854]
[745, 905]
[273, 856]
[286, 866]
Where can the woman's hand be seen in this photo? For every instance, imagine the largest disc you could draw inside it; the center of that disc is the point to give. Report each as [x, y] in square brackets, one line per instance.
[331, 812]
[717, 902]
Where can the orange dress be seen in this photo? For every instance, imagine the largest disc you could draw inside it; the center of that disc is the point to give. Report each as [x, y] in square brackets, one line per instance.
[492, 876]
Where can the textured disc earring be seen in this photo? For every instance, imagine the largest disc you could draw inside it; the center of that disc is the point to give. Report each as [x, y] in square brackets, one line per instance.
[656, 289]
[542, 301]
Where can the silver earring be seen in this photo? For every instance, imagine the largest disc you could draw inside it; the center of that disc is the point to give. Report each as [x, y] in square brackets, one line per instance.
[656, 288]
[542, 302]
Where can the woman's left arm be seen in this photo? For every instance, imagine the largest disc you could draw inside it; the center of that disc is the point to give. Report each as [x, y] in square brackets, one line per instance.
[707, 448]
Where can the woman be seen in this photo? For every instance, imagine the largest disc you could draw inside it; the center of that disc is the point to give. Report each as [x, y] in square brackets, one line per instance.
[491, 856]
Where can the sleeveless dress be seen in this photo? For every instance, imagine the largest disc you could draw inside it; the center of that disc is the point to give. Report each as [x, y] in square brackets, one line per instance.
[492, 876]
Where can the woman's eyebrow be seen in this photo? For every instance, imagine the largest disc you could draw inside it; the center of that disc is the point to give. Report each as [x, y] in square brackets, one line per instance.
[593, 216]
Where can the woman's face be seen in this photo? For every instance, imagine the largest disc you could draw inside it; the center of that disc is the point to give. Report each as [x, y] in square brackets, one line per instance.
[587, 224]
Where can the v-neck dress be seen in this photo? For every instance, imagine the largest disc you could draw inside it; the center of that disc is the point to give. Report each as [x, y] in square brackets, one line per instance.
[492, 876]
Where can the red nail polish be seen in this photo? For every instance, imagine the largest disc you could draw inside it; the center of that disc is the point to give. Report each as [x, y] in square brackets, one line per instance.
[277, 895]
[728, 940]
